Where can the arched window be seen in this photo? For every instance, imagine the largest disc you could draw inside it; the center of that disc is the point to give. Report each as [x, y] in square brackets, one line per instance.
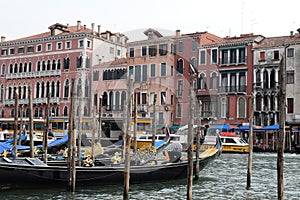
[2, 113]
[85, 111]
[24, 92]
[86, 88]
[48, 65]
[67, 88]
[58, 64]
[111, 100]
[53, 64]
[29, 66]
[57, 111]
[12, 112]
[3, 69]
[43, 90]
[241, 108]
[11, 69]
[58, 89]
[40, 112]
[201, 82]
[43, 65]
[52, 89]
[180, 66]
[117, 100]
[65, 111]
[213, 83]
[105, 99]
[20, 67]
[79, 90]
[2, 93]
[123, 99]
[38, 66]
[37, 90]
[47, 88]
[25, 67]
[16, 68]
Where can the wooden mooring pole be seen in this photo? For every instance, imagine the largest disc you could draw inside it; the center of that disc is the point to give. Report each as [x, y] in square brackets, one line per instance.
[197, 168]
[46, 131]
[30, 122]
[154, 121]
[190, 136]
[249, 172]
[281, 133]
[71, 145]
[16, 123]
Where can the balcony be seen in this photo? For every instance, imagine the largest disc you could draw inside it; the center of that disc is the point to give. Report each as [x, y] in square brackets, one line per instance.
[33, 74]
[142, 108]
[53, 100]
[232, 89]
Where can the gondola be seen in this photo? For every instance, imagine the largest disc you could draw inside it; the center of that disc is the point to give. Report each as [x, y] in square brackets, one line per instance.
[32, 171]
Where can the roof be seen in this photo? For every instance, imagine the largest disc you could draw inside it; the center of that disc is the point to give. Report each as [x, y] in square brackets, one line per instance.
[278, 41]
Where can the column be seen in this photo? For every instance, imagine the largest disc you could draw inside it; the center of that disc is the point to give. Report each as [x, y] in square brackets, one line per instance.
[276, 76]
[237, 85]
[262, 78]
[254, 77]
[228, 80]
[262, 103]
[269, 78]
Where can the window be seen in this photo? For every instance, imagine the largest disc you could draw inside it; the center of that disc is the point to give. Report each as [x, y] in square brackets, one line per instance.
[179, 88]
[242, 55]
[290, 105]
[276, 55]
[30, 49]
[173, 49]
[224, 54]
[179, 110]
[180, 47]
[111, 50]
[96, 76]
[89, 44]
[163, 99]
[59, 46]
[68, 45]
[223, 113]
[48, 47]
[67, 63]
[232, 57]
[262, 56]
[161, 118]
[21, 50]
[180, 66]
[213, 83]
[152, 70]
[11, 51]
[163, 49]
[289, 77]
[241, 108]
[163, 69]
[152, 96]
[172, 70]
[67, 87]
[131, 53]
[140, 73]
[172, 99]
[80, 43]
[202, 57]
[290, 52]
[3, 52]
[152, 50]
[201, 82]
[39, 48]
[214, 56]
[144, 50]
[194, 45]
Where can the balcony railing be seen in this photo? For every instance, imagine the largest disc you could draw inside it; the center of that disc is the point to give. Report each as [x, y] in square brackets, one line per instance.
[54, 100]
[33, 74]
[232, 89]
[142, 108]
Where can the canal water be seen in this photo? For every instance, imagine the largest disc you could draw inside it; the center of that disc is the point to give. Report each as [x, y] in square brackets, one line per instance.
[223, 179]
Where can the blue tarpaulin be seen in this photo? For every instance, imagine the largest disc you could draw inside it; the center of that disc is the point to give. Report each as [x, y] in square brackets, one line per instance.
[246, 128]
[270, 128]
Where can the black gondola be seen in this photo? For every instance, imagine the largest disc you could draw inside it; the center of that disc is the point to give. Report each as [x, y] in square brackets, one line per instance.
[33, 171]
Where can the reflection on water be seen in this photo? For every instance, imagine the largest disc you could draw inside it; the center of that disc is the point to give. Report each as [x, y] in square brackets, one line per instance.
[223, 179]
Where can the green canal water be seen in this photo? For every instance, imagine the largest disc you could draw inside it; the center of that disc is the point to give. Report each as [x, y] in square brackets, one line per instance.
[223, 179]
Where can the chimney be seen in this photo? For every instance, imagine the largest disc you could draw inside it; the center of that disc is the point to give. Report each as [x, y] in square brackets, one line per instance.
[2, 38]
[291, 33]
[99, 29]
[107, 35]
[177, 33]
[78, 25]
[93, 28]
[84, 27]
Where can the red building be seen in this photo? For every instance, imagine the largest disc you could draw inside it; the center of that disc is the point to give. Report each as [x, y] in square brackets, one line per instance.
[48, 62]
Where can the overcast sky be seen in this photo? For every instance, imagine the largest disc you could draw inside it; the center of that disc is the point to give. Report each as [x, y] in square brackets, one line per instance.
[20, 18]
